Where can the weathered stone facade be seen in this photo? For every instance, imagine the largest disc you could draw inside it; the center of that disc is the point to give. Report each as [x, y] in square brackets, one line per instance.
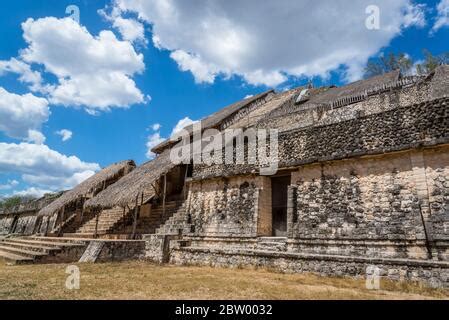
[369, 185]
[363, 181]
[224, 207]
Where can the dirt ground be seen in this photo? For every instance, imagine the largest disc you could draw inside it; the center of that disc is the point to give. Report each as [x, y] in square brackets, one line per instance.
[140, 280]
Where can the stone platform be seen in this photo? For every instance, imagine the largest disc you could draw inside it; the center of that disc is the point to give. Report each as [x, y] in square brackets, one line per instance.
[36, 249]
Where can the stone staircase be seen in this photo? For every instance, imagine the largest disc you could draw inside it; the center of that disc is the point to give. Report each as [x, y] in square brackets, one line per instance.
[22, 250]
[108, 220]
[176, 224]
[278, 244]
[157, 217]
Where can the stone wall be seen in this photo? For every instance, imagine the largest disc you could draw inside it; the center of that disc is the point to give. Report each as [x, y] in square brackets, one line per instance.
[388, 206]
[5, 223]
[357, 199]
[225, 207]
[378, 103]
[121, 250]
[433, 274]
[19, 224]
[370, 200]
[423, 124]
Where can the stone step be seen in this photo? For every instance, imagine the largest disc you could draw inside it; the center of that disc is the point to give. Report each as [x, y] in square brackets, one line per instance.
[29, 246]
[81, 235]
[47, 241]
[15, 258]
[22, 252]
[273, 239]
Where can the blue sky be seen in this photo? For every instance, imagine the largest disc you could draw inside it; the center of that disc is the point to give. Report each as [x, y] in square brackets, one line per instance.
[191, 60]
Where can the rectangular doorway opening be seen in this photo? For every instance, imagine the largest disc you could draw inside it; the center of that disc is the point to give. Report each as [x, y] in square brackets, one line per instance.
[279, 199]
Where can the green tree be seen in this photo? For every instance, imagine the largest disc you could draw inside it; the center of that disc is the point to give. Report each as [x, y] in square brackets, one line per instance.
[431, 62]
[11, 202]
[387, 64]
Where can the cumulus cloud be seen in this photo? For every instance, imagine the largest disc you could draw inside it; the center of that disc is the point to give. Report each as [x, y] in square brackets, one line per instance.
[39, 165]
[35, 137]
[26, 74]
[152, 141]
[156, 126]
[442, 19]
[21, 116]
[130, 29]
[9, 185]
[202, 72]
[32, 192]
[266, 41]
[65, 134]
[92, 71]
[181, 125]
[156, 138]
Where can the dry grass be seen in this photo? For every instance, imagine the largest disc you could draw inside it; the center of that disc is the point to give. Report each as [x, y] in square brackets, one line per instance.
[139, 280]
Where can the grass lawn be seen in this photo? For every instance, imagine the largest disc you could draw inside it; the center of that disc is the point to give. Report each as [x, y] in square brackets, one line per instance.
[140, 280]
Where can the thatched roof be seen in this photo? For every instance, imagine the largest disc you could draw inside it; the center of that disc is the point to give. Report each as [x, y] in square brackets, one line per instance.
[216, 118]
[125, 191]
[90, 187]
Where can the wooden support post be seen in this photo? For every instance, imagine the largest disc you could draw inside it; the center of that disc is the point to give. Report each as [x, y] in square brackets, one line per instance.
[62, 220]
[96, 223]
[164, 195]
[82, 215]
[184, 191]
[124, 219]
[136, 208]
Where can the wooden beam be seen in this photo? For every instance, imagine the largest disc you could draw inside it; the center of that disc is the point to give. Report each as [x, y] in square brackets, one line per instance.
[96, 223]
[185, 183]
[136, 208]
[124, 219]
[164, 195]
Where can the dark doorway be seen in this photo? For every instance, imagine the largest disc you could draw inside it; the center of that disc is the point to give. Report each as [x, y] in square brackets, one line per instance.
[279, 188]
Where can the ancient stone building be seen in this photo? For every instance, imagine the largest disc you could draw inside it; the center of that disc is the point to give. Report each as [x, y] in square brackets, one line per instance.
[23, 218]
[362, 183]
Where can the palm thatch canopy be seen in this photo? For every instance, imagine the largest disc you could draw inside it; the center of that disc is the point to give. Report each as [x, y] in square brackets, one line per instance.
[139, 184]
[216, 118]
[90, 187]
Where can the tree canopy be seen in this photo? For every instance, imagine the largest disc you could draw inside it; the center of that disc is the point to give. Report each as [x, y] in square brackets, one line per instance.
[8, 203]
[405, 64]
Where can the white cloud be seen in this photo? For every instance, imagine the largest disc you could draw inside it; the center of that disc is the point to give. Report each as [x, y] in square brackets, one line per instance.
[61, 183]
[39, 165]
[156, 127]
[414, 15]
[130, 29]
[181, 125]
[65, 134]
[442, 19]
[32, 192]
[201, 71]
[9, 185]
[92, 71]
[266, 41]
[21, 116]
[153, 140]
[156, 138]
[26, 74]
[35, 137]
